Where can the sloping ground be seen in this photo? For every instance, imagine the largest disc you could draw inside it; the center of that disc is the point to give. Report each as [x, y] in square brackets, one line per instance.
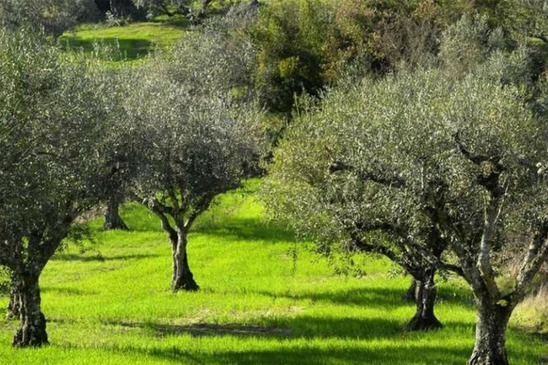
[258, 305]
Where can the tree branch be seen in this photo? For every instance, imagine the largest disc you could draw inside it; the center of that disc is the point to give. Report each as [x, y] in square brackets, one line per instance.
[392, 181]
[536, 256]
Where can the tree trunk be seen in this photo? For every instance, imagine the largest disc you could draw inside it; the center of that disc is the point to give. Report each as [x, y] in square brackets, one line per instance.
[492, 321]
[112, 215]
[411, 293]
[14, 305]
[426, 294]
[182, 278]
[32, 332]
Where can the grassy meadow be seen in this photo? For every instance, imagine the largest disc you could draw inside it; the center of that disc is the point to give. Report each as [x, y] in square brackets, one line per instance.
[130, 42]
[265, 299]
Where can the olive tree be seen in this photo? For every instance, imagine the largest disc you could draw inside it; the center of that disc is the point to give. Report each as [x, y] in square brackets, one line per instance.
[323, 186]
[192, 147]
[51, 135]
[462, 158]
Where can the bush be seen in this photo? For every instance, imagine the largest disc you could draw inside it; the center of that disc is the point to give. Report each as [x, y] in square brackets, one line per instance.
[306, 44]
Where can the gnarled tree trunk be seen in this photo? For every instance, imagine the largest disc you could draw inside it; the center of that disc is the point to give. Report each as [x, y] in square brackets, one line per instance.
[14, 305]
[182, 278]
[426, 294]
[492, 322]
[112, 215]
[32, 332]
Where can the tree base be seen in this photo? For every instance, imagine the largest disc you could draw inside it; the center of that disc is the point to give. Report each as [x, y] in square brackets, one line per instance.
[423, 324]
[112, 217]
[185, 285]
[112, 225]
[32, 334]
[487, 357]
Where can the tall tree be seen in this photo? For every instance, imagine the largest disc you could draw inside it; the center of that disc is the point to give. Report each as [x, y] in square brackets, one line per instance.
[47, 179]
[462, 157]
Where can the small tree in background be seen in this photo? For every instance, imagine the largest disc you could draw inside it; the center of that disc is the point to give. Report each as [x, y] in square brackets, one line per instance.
[48, 180]
[195, 130]
[194, 145]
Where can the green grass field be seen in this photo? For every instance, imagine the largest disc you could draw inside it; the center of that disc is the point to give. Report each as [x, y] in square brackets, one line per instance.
[129, 43]
[258, 305]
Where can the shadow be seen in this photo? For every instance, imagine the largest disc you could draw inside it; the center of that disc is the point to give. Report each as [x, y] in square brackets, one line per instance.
[66, 291]
[247, 229]
[100, 258]
[366, 297]
[121, 49]
[340, 327]
[310, 354]
[204, 329]
[304, 327]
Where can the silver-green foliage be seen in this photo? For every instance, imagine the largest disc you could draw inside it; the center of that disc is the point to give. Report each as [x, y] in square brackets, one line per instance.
[426, 149]
[53, 128]
[51, 16]
[195, 132]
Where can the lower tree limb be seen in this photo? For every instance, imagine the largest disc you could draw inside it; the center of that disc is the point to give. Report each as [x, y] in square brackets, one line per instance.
[426, 294]
[32, 332]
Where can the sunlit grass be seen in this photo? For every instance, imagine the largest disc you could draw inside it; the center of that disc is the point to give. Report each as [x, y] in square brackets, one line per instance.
[131, 42]
[258, 305]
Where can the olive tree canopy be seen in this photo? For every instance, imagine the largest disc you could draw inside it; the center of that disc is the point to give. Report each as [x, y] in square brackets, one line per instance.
[52, 131]
[198, 134]
[424, 153]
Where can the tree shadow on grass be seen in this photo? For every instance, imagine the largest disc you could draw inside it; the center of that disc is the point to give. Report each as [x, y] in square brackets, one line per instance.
[248, 229]
[101, 258]
[204, 329]
[67, 291]
[312, 354]
[302, 326]
[367, 297]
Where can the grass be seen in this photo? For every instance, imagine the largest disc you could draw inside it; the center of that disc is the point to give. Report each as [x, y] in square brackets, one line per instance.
[130, 42]
[257, 305]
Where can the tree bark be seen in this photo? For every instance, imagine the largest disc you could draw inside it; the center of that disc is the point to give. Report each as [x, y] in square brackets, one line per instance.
[32, 332]
[112, 215]
[182, 278]
[426, 294]
[492, 322]
[411, 293]
[14, 305]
